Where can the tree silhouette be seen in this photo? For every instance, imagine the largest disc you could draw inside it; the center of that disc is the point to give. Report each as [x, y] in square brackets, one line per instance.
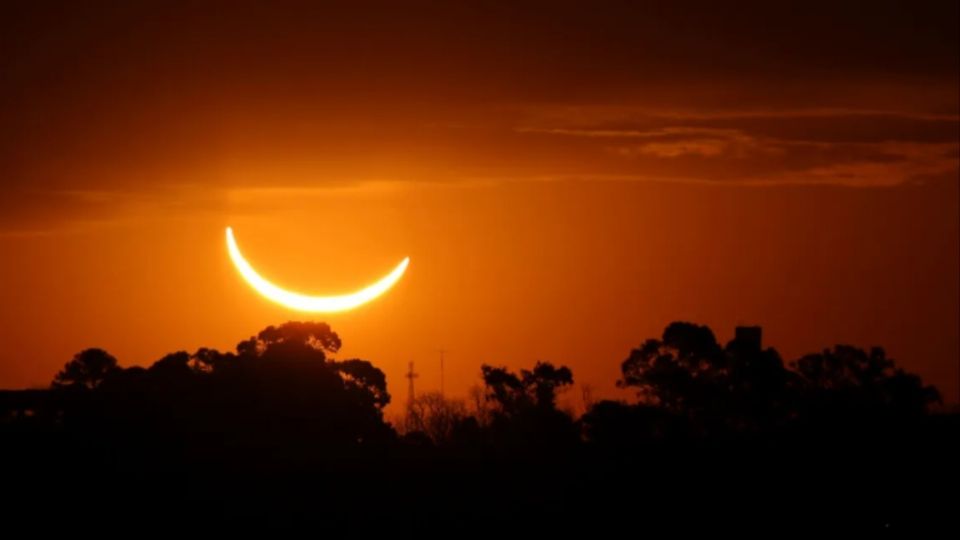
[297, 431]
[682, 371]
[364, 377]
[524, 417]
[279, 392]
[852, 380]
[538, 387]
[206, 360]
[622, 427]
[746, 388]
[88, 369]
[435, 416]
[292, 338]
[544, 381]
[504, 388]
[173, 365]
[284, 386]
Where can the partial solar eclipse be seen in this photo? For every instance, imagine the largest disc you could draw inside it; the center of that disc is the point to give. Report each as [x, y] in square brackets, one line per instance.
[303, 302]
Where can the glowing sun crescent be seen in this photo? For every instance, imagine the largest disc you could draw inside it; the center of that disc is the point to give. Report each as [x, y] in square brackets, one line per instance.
[302, 302]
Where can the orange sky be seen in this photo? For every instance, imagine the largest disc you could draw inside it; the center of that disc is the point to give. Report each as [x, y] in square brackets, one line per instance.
[565, 183]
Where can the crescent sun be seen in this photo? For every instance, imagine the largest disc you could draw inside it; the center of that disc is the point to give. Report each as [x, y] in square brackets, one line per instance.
[303, 302]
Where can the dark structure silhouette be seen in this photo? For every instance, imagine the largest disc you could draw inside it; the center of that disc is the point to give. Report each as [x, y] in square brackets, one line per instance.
[719, 436]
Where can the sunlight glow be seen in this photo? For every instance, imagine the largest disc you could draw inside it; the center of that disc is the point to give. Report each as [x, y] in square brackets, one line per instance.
[302, 302]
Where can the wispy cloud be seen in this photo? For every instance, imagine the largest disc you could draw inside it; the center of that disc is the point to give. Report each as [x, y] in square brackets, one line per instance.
[804, 146]
[610, 114]
[56, 212]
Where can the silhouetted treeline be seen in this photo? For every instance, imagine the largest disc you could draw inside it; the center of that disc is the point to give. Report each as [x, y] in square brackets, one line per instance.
[718, 436]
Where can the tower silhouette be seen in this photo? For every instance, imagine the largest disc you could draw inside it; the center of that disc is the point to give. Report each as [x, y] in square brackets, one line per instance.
[410, 376]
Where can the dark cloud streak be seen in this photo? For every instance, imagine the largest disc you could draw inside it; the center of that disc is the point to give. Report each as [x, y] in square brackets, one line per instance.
[134, 95]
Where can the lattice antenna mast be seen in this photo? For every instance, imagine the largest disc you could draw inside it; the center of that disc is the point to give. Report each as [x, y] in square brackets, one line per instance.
[411, 375]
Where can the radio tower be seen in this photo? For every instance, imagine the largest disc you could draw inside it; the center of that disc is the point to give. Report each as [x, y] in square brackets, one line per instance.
[411, 376]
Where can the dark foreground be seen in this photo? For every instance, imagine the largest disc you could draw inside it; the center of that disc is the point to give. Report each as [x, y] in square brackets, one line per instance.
[279, 437]
[905, 480]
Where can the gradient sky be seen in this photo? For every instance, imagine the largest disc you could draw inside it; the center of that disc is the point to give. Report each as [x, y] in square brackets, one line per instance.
[567, 178]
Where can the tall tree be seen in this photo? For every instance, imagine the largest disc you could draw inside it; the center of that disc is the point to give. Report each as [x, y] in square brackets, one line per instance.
[87, 369]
